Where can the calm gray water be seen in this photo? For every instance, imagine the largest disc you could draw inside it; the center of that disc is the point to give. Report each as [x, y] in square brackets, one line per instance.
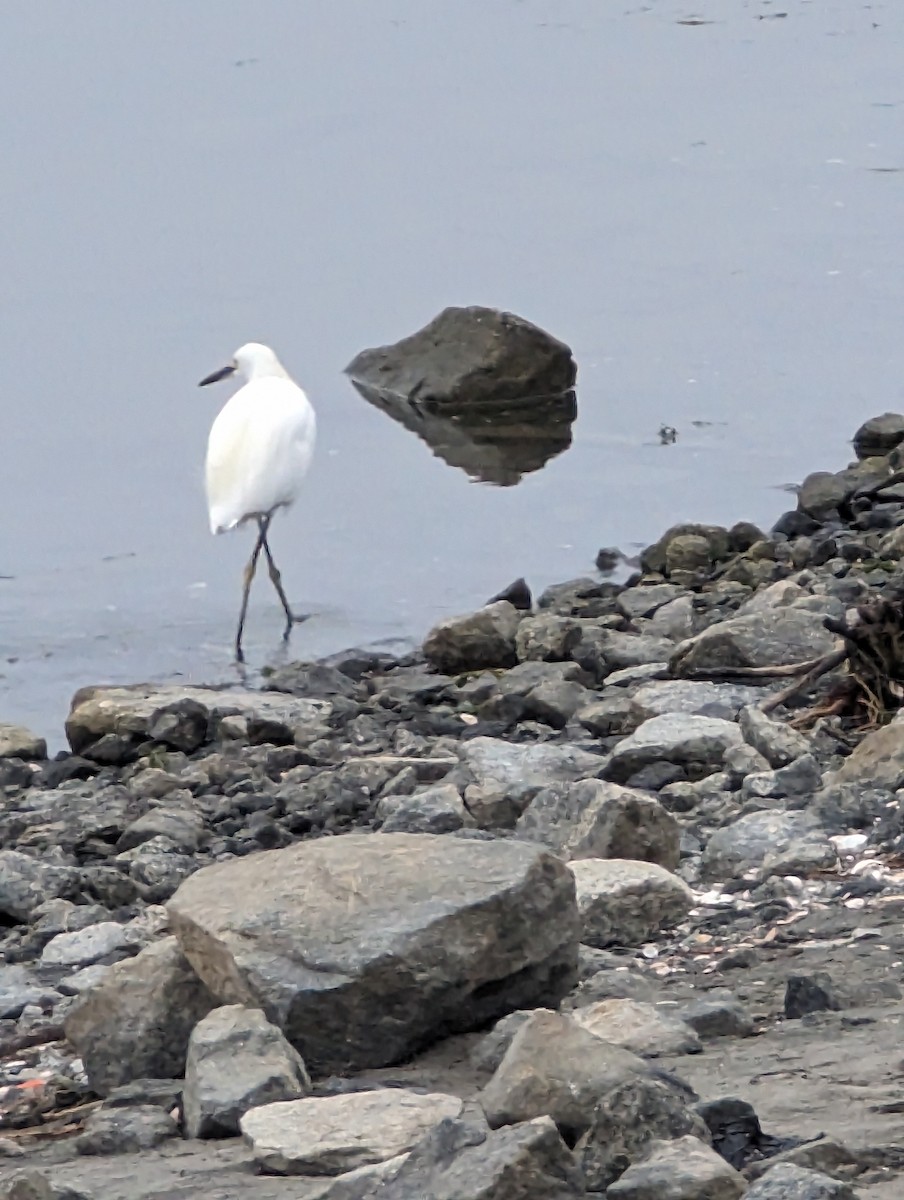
[710, 214]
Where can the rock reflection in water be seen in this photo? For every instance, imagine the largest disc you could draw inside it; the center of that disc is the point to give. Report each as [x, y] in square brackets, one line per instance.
[495, 442]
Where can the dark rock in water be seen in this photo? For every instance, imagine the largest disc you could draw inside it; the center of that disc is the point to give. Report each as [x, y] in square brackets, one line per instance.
[710, 544]
[794, 524]
[811, 993]
[466, 356]
[736, 1132]
[580, 598]
[607, 559]
[330, 937]
[879, 435]
[518, 595]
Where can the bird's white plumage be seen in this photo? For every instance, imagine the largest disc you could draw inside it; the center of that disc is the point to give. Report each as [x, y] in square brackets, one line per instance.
[261, 443]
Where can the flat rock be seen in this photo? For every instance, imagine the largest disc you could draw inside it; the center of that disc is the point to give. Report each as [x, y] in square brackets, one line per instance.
[237, 1061]
[84, 946]
[477, 640]
[767, 840]
[362, 948]
[639, 1027]
[595, 819]
[125, 1130]
[681, 1169]
[774, 637]
[625, 903]
[127, 715]
[136, 1023]
[624, 1123]
[462, 1160]
[698, 744]
[697, 697]
[466, 357]
[555, 1067]
[328, 1135]
[18, 742]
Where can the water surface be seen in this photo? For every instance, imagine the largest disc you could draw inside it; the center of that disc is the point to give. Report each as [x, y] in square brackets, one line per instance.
[709, 214]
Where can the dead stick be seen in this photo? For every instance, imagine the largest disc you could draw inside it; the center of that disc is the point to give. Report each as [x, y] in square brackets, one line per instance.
[821, 667]
[782, 672]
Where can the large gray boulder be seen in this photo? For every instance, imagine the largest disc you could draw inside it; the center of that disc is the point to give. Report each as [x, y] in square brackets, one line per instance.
[136, 1023]
[468, 356]
[236, 1061]
[362, 948]
[773, 637]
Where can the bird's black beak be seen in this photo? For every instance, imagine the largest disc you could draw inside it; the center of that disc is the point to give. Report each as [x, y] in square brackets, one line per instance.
[223, 373]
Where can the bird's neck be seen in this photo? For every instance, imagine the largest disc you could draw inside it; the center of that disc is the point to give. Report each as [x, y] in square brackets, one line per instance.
[269, 370]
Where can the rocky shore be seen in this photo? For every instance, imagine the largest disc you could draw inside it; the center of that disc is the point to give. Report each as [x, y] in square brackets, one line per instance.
[597, 894]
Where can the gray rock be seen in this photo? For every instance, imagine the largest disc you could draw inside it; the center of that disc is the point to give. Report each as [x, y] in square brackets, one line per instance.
[718, 1014]
[775, 637]
[644, 599]
[786, 1181]
[84, 946]
[501, 777]
[137, 1022]
[593, 819]
[437, 809]
[822, 493]
[639, 1027]
[777, 742]
[237, 1061]
[602, 651]
[625, 903]
[771, 841]
[182, 827]
[363, 947]
[125, 714]
[656, 557]
[697, 697]
[613, 714]
[878, 760]
[465, 357]
[83, 980]
[489, 1052]
[697, 744]
[682, 1169]
[546, 637]
[741, 761]
[19, 988]
[624, 1123]
[125, 1130]
[18, 742]
[879, 435]
[555, 703]
[26, 883]
[675, 620]
[328, 1135]
[800, 778]
[554, 1067]
[816, 992]
[485, 638]
[461, 1160]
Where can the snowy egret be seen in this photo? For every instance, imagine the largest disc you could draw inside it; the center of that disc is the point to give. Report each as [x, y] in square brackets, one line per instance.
[259, 450]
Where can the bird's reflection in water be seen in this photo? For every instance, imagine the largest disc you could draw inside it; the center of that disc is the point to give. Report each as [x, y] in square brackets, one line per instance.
[494, 442]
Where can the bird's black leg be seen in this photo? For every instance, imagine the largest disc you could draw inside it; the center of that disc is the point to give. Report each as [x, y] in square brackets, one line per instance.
[246, 589]
[276, 579]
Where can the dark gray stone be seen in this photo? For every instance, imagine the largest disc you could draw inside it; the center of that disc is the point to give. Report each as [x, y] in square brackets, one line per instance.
[879, 435]
[465, 357]
[125, 1130]
[485, 638]
[811, 993]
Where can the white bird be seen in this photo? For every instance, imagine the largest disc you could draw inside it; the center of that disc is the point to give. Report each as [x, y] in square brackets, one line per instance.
[258, 453]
